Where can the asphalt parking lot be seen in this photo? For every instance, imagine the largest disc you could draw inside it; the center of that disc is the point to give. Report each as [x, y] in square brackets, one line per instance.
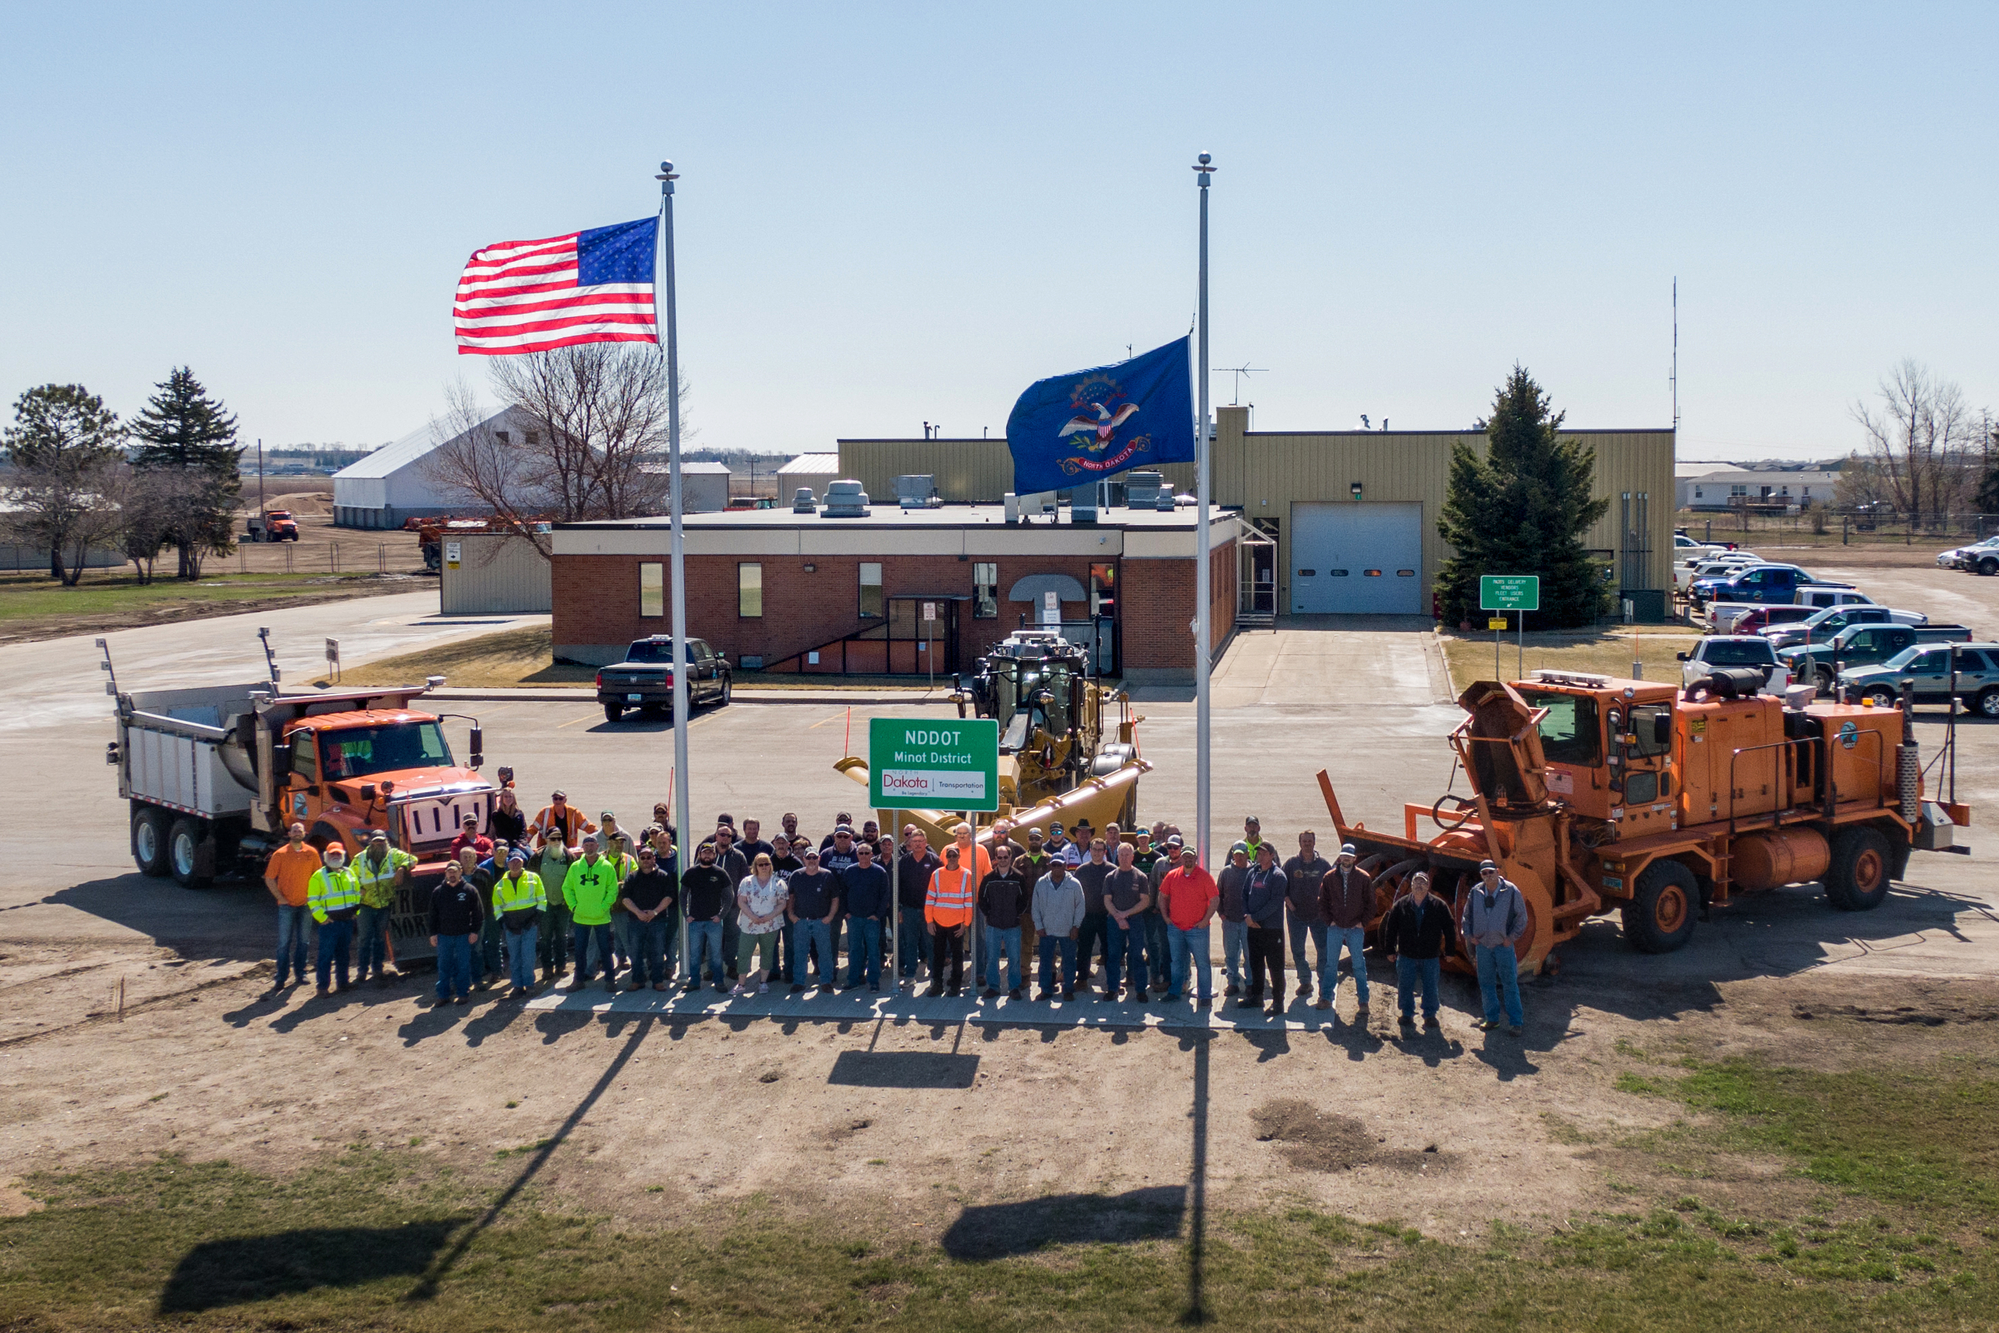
[1367, 703]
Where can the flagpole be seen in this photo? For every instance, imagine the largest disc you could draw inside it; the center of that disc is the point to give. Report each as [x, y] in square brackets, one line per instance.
[1203, 594]
[685, 828]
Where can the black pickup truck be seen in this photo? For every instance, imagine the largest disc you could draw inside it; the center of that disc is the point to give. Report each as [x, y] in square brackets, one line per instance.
[644, 680]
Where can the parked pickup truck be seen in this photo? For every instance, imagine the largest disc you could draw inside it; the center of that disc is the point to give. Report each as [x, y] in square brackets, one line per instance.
[1977, 558]
[1929, 670]
[1759, 618]
[1862, 645]
[644, 680]
[1822, 595]
[1746, 650]
[1757, 583]
[1688, 571]
[1823, 625]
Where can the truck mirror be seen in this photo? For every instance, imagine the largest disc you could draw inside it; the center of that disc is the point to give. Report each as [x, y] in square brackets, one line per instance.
[1681, 656]
[1662, 729]
[281, 760]
[368, 792]
[478, 747]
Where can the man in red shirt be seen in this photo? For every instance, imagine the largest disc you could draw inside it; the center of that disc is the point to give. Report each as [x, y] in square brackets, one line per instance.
[470, 836]
[1189, 896]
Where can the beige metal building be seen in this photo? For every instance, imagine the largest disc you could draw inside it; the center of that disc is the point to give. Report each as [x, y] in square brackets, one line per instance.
[1353, 514]
[491, 573]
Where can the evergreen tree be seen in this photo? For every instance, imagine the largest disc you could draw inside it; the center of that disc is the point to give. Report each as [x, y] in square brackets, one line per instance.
[1523, 508]
[61, 440]
[186, 433]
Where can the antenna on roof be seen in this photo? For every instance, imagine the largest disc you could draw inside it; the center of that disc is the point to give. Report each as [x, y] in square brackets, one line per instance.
[1235, 396]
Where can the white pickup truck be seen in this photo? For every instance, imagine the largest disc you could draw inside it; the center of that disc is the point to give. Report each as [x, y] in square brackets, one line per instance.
[1735, 650]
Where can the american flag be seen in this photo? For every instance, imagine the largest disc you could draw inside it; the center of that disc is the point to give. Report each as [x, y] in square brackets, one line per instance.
[591, 286]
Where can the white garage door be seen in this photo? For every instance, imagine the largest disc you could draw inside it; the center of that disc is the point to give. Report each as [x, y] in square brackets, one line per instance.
[1357, 558]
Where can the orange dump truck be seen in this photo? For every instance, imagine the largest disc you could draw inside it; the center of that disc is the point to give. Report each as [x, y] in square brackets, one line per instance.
[1593, 793]
[215, 775]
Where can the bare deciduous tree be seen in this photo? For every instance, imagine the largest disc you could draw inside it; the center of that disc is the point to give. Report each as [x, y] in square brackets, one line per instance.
[1919, 439]
[584, 437]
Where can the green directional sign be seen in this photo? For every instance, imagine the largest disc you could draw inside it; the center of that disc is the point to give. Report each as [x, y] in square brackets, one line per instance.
[923, 763]
[1509, 592]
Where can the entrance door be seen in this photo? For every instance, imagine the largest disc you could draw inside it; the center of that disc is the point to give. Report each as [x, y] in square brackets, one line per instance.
[1356, 558]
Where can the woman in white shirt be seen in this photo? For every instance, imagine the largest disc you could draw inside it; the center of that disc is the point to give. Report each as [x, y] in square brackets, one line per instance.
[760, 903]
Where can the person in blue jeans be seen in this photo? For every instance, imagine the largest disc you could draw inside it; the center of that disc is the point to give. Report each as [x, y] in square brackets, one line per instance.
[1415, 933]
[1058, 915]
[1003, 900]
[1346, 901]
[813, 907]
[1190, 897]
[1495, 917]
[867, 901]
[706, 895]
[914, 865]
[456, 913]
[1127, 893]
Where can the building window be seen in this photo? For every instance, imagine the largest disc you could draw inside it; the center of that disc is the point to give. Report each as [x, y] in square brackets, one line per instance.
[750, 591]
[1738, 490]
[985, 591]
[871, 590]
[652, 588]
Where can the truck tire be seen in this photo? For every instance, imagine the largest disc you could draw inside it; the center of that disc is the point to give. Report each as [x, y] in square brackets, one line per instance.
[1858, 879]
[612, 712]
[184, 854]
[1988, 702]
[1989, 566]
[728, 685]
[149, 841]
[1882, 696]
[1824, 679]
[1660, 916]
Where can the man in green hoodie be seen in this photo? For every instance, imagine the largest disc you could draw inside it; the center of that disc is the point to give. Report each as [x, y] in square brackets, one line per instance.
[591, 890]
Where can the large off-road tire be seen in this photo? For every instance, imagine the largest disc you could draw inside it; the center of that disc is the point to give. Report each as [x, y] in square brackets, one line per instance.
[612, 712]
[184, 856]
[1660, 916]
[149, 840]
[1858, 879]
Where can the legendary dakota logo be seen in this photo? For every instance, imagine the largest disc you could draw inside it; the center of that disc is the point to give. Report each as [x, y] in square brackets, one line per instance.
[1099, 412]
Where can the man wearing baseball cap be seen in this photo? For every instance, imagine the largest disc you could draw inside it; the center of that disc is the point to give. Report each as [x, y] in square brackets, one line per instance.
[1346, 900]
[1495, 915]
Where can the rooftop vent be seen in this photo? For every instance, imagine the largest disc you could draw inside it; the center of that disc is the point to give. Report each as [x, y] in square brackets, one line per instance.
[801, 503]
[917, 492]
[846, 499]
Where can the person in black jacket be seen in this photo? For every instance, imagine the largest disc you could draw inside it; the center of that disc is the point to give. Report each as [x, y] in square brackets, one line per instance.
[707, 895]
[914, 865]
[867, 901]
[1415, 933]
[455, 916]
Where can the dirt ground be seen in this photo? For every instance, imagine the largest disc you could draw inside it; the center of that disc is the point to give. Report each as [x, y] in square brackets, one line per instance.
[1447, 1132]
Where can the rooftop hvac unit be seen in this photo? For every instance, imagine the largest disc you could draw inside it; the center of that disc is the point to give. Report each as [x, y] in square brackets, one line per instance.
[801, 503]
[1141, 489]
[917, 492]
[845, 499]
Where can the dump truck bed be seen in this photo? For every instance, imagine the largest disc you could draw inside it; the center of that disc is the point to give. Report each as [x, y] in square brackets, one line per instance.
[181, 750]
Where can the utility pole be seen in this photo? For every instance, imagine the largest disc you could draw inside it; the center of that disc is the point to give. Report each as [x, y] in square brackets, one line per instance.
[1202, 593]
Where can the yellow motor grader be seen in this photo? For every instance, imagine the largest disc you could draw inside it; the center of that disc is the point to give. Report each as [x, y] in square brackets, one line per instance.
[1068, 744]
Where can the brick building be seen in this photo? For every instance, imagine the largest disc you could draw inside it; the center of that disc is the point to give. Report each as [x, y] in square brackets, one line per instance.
[890, 591]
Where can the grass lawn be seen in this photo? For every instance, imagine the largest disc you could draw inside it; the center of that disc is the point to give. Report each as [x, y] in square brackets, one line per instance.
[524, 657]
[1608, 653]
[30, 603]
[1894, 1230]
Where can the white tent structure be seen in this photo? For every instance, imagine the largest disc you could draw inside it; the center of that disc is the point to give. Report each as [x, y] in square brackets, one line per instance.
[395, 482]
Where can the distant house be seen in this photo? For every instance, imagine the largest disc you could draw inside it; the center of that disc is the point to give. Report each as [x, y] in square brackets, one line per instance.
[1730, 488]
[806, 472]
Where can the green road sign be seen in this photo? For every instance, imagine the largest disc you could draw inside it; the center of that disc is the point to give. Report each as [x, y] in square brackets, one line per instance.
[1509, 592]
[921, 763]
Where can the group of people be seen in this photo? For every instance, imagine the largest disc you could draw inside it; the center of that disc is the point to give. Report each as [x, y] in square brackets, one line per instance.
[1121, 914]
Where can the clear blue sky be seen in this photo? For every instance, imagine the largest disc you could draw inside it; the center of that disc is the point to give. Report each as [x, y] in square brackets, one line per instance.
[898, 213]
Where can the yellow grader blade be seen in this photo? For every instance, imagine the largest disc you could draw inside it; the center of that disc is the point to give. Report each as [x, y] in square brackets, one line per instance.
[1101, 800]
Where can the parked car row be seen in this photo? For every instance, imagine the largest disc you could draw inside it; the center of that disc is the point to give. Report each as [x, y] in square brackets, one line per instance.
[1799, 629]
